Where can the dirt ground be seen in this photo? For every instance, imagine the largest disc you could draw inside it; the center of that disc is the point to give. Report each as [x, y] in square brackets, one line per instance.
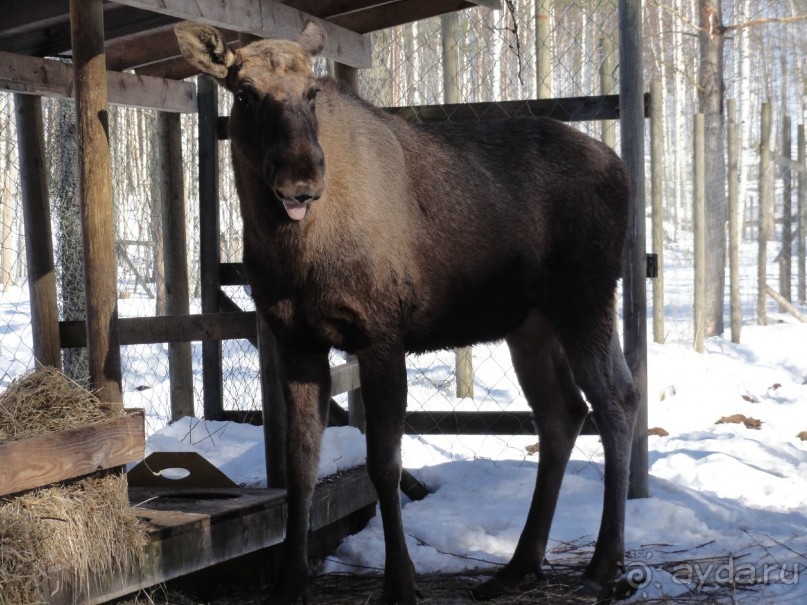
[561, 588]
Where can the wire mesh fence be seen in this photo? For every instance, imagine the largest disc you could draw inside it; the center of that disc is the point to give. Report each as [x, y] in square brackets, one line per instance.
[529, 49]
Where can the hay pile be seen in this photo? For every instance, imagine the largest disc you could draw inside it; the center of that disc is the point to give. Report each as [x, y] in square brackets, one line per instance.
[85, 526]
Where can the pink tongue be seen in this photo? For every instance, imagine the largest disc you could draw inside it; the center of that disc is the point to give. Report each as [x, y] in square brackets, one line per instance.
[295, 211]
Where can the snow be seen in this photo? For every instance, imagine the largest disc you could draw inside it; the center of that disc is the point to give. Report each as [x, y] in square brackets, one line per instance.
[727, 505]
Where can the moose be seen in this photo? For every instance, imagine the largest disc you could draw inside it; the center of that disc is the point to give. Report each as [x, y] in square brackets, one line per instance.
[379, 237]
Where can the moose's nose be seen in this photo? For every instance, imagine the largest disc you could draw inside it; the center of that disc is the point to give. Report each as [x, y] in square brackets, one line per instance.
[303, 198]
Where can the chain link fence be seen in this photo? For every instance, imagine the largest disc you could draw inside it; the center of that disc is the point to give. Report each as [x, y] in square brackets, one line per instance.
[529, 49]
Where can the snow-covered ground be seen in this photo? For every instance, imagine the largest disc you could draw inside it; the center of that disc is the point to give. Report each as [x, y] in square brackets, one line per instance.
[727, 507]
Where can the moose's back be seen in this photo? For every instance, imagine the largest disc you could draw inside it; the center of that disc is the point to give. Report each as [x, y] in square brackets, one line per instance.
[511, 214]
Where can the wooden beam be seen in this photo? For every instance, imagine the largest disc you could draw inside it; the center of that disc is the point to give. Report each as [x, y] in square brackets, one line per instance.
[52, 37]
[172, 192]
[479, 423]
[154, 47]
[45, 77]
[63, 455]
[265, 19]
[567, 109]
[39, 243]
[178, 328]
[401, 12]
[209, 244]
[95, 188]
[20, 16]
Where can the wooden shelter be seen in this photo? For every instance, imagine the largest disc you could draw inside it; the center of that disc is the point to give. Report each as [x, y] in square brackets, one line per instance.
[124, 52]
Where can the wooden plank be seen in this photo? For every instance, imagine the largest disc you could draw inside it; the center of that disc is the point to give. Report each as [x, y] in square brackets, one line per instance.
[177, 328]
[147, 48]
[479, 423]
[39, 243]
[345, 378]
[232, 274]
[63, 455]
[265, 19]
[328, 9]
[401, 12]
[95, 195]
[45, 77]
[340, 496]
[19, 16]
[51, 37]
[567, 109]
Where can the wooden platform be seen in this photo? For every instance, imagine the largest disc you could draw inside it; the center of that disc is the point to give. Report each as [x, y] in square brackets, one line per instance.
[192, 529]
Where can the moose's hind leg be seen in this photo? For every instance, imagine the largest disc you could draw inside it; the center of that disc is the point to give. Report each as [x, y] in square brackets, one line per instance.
[606, 380]
[559, 410]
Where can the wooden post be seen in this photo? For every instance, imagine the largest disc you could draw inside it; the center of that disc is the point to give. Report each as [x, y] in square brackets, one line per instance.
[802, 206]
[764, 195]
[449, 28]
[657, 213]
[95, 184]
[634, 294]
[274, 408]
[786, 254]
[38, 239]
[209, 246]
[732, 146]
[543, 50]
[355, 403]
[177, 296]
[699, 229]
[607, 87]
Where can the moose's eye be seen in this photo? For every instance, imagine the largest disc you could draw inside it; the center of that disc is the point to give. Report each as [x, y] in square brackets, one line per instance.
[311, 94]
[245, 97]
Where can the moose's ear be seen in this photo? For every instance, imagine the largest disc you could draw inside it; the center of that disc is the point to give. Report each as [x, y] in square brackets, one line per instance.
[204, 48]
[312, 38]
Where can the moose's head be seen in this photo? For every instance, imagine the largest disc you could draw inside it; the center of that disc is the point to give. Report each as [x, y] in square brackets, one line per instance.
[273, 124]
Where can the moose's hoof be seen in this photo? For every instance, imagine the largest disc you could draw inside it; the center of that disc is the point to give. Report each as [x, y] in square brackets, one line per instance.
[401, 597]
[285, 594]
[491, 589]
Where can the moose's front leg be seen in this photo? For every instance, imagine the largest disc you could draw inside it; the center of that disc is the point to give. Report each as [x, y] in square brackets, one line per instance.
[306, 379]
[383, 382]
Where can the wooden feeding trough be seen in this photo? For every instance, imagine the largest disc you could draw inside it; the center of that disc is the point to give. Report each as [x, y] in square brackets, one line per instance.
[191, 523]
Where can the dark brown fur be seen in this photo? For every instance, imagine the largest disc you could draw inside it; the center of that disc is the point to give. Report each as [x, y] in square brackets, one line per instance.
[402, 238]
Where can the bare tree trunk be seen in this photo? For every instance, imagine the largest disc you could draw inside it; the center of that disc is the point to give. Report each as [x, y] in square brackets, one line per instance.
[543, 49]
[710, 101]
[6, 221]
